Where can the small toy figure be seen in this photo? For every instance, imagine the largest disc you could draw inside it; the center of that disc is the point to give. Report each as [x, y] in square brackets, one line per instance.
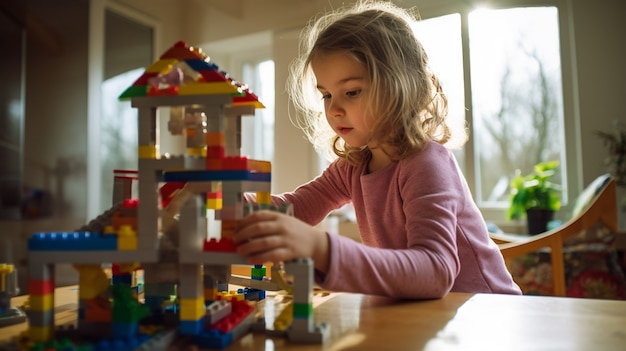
[8, 288]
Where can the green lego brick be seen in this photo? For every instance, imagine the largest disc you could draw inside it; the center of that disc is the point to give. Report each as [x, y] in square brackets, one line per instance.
[134, 91]
[302, 310]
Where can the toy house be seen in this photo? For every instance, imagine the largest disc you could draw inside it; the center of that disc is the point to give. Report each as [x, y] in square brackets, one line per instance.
[164, 229]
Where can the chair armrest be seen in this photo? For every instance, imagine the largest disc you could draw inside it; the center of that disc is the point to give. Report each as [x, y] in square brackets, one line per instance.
[504, 238]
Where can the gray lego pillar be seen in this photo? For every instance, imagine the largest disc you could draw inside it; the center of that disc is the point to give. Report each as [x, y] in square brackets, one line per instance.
[302, 329]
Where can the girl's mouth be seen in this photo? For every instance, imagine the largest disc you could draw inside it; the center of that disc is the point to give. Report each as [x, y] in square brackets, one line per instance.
[343, 130]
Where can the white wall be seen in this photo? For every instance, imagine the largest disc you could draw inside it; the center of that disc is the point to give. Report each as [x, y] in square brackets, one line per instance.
[56, 110]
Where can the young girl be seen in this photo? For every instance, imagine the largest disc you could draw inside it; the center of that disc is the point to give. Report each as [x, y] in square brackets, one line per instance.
[422, 235]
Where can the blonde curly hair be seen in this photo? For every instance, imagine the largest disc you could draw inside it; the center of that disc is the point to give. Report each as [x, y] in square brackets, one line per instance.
[406, 98]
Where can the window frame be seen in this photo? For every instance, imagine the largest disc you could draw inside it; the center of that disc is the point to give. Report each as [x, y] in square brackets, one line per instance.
[96, 62]
[571, 113]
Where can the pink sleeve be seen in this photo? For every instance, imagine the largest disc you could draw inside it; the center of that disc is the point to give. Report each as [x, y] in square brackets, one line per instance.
[351, 271]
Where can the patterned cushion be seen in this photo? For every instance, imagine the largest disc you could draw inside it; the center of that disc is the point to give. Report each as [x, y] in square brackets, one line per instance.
[592, 267]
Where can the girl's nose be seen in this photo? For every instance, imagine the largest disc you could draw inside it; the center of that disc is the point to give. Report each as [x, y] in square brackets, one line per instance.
[334, 110]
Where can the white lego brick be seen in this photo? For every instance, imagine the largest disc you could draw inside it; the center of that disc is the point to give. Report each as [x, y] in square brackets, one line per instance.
[195, 163]
[38, 270]
[182, 100]
[242, 186]
[190, 281]
[302, 332]
[211, 257]
[236, 111]
[96, 257]
[146, 126]
[217, 310]
[302, 271]
[192, 225]
[162, 163]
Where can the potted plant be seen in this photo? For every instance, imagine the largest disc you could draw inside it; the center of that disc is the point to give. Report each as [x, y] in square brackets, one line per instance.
[535, 197]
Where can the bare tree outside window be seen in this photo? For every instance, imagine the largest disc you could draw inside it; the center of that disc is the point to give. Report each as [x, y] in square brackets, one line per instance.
[516, 106]
[517, 96]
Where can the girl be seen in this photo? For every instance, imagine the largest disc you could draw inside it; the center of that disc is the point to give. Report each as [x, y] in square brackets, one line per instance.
[422, 235]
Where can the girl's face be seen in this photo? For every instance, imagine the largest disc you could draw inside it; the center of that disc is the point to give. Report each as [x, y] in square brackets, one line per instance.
[344, 84]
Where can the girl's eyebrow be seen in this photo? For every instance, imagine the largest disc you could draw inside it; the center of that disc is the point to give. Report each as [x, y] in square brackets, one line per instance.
[343, 81]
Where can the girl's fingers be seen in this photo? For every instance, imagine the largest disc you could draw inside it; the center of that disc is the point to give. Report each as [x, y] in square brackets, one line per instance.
[253, 230]
[260, 244]
[258, 216]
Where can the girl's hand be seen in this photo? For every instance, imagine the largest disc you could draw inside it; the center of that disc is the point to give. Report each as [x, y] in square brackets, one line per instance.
[270, 236]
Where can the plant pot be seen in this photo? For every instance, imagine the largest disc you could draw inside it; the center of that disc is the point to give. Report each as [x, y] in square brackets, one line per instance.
[538, 220]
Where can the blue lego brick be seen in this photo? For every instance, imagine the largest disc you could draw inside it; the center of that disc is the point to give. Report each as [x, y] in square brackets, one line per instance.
[155, 302]
[212, 339]
[191, 327]
[201, 65]
[124, 344]
[124, 330]
[191, 176]
[120, 344]
[252, 294]
[72, 241]
[122, 279]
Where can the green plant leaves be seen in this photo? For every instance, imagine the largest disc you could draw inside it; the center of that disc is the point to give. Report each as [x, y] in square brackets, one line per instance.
[534, 190]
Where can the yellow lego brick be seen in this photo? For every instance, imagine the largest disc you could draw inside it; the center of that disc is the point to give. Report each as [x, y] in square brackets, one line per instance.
[196, 151]
[230, 296]
[92, 281]
[128, 267]
[161, 66]
[41, 303]
[260, 166]
[207, 88]
[264, 198]
[214, 204]
[210, 294]
[284, 319]
[127, 243]
[192, 309]
[256, 104]
[126, 230]
[126, 238]
[5, 269]
[147, 151]
[41, 334]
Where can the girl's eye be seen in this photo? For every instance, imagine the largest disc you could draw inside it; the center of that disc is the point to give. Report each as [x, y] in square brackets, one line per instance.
[354, 93]
[325, 96]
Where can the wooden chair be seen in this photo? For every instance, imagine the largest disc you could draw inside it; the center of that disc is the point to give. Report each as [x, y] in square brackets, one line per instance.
[602, 207]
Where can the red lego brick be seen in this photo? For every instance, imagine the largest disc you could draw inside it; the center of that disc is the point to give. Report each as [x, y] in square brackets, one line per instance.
[240, 310]
[41, 287]
[224, 245]
[235, 163]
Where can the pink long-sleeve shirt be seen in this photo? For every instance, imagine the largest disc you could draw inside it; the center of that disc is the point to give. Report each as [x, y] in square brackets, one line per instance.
[422, 234]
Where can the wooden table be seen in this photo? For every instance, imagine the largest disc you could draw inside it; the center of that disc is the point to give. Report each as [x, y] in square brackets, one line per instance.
[456, 322]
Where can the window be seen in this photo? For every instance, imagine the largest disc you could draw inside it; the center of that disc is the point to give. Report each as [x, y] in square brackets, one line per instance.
[257, 140]
[123, 45]
[118, 133]
[510, 88]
